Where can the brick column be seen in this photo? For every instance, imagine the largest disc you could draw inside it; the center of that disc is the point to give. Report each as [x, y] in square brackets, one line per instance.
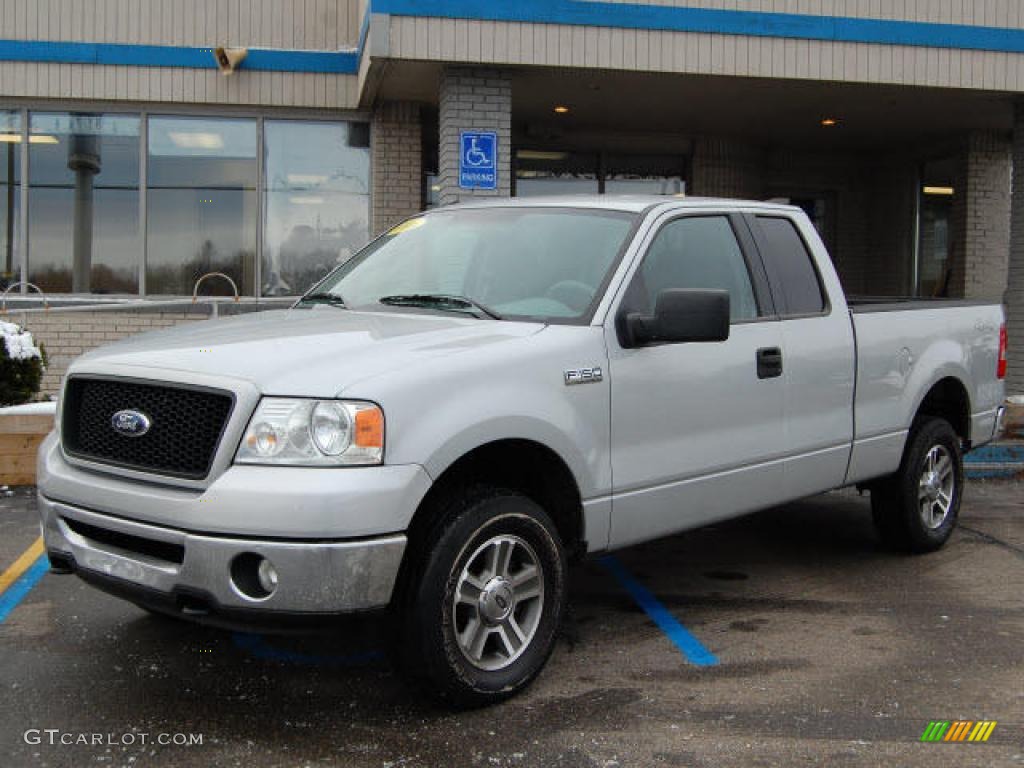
[397, 165]
[1015, 280]
[987, 217]
[727, 168]
[480, 99]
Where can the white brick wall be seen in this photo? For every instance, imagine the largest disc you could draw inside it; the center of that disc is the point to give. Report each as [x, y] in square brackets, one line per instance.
[397, 163]
[987, 225]
[473, 99]
[1015, 281]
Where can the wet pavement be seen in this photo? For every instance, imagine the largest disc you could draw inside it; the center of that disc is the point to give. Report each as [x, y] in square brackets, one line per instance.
[831, 651]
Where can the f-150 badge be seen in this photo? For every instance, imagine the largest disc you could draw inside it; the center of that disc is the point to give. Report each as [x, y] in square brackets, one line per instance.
[583, 376]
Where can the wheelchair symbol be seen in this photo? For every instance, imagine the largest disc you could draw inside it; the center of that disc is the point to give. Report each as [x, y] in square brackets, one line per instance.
[474, 155]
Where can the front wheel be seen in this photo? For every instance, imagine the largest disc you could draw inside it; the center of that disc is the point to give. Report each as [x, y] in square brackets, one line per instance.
[483, 605]
[916, 509]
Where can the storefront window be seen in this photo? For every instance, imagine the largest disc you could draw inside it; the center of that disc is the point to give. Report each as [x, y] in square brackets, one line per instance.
[316, 198]
[10, 206]
[639, 184]
[935, 211]
[201, 204]
[556, 172]
[83, 203]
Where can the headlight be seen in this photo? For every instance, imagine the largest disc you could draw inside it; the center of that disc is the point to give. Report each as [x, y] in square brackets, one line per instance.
[319, 433]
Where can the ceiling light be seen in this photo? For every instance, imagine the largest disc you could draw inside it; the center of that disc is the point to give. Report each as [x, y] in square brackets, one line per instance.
[305, 179]
[191, 140]
[561, 109]
[36, 138]
[306, 200]
[536, 154]
[946, 191]
[829, 122]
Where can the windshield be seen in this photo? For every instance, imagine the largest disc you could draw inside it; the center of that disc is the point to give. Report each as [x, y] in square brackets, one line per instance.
[546, 264]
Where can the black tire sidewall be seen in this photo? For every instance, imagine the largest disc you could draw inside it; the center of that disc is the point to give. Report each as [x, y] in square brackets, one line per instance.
[926, 435]
[489, 515]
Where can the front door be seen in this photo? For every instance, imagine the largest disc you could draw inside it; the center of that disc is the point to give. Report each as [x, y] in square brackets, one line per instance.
[696, 427]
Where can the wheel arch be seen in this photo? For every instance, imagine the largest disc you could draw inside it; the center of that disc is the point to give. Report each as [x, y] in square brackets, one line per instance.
[948, 399]
[518, 464]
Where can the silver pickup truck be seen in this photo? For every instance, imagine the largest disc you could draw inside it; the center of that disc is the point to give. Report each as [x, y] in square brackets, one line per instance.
[488, 391]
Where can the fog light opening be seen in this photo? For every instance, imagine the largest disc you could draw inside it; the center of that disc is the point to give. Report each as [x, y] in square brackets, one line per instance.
[253, 576]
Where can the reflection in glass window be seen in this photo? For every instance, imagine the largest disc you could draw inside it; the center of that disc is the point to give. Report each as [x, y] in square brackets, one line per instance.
[83, 232]
[695, 252]
[10, 144]
[639, 184]
[201, 204]
[316, 201]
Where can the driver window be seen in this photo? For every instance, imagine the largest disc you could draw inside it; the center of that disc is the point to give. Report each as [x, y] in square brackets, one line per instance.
[698, 252]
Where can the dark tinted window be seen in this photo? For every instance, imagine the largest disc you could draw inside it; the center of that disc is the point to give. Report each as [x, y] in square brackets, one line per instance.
[695, 252]
[790, 267]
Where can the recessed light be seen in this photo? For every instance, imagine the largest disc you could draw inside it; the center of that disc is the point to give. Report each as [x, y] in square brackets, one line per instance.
[535, 154]
[829, 122]
[196, 140]
[944, 191]
[561, 109]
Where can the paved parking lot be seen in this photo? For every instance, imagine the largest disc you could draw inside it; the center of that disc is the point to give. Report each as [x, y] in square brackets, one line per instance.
[831, 652]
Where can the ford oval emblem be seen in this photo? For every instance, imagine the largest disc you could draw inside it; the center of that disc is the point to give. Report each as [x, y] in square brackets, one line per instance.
[131, 423]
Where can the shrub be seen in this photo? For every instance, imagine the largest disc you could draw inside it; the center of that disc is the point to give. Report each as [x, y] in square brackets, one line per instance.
[21, 365]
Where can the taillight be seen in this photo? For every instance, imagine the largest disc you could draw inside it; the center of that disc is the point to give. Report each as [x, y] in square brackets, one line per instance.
[1001, 365]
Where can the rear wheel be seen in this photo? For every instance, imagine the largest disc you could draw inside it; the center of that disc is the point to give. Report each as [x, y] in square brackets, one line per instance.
[481, 607]
[916, 509]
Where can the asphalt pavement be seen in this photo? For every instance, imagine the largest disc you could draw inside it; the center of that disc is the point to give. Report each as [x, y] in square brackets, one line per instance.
[827, 650]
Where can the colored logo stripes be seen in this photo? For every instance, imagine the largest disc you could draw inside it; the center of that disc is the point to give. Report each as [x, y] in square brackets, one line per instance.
[958, 730]
[18, 580]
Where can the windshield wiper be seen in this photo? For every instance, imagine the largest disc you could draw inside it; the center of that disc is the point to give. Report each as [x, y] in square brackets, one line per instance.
[324, 298]
[442, 301]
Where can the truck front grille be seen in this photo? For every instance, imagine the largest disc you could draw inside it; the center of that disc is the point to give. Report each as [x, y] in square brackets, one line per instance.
[185, 425]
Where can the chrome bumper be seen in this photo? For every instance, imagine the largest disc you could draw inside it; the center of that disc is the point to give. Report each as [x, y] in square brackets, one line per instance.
[1000, 426]
[190, 570]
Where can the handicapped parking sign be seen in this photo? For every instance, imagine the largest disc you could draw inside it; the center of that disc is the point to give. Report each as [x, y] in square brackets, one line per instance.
[478, 161]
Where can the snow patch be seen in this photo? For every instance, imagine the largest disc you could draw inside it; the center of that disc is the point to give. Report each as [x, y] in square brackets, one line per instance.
[20, 344]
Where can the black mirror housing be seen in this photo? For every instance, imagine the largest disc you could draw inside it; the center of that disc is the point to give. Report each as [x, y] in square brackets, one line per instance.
[680, 315]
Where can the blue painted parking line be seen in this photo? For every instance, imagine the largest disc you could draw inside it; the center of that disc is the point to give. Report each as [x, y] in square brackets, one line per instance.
[17, 591]
[996, 460]
[257, 646]
[692, 648]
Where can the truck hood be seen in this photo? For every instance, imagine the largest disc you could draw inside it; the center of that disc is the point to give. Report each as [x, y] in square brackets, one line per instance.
[314, 352]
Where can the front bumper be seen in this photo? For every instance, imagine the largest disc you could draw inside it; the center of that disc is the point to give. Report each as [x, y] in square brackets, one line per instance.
[199, 575]
[334, 536]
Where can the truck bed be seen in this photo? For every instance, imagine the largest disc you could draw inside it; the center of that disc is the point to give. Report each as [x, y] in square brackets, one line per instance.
[862, 304]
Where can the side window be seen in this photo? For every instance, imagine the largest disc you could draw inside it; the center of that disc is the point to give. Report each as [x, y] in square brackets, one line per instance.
[695, 252]
[790, 266]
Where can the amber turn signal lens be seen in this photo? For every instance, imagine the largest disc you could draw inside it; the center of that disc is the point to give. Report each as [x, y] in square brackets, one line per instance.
[369, 428]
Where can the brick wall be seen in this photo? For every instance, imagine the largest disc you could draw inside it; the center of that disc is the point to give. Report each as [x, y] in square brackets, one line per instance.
[727, 168]
[480, 99]
[1015, 279]
[397, 165]
[66, 335]
[987, 217]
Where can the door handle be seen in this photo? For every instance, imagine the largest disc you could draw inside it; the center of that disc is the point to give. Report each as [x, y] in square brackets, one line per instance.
[769, 362]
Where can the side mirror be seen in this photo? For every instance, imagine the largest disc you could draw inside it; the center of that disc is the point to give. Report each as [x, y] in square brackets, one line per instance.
[680, 315]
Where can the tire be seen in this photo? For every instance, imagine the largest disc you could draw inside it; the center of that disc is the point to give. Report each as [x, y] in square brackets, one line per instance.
[916, 509]
[460, 604]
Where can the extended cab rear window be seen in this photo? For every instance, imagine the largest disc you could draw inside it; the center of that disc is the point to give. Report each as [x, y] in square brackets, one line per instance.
[790, 267]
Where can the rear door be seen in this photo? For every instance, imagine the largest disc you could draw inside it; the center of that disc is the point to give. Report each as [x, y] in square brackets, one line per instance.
[818, 352]
[696, 427]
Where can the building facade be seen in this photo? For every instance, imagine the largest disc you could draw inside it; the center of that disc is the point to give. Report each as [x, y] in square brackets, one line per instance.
[130, 166]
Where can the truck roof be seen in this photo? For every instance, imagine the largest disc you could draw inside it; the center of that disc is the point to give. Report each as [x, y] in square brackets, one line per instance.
[630, 203]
